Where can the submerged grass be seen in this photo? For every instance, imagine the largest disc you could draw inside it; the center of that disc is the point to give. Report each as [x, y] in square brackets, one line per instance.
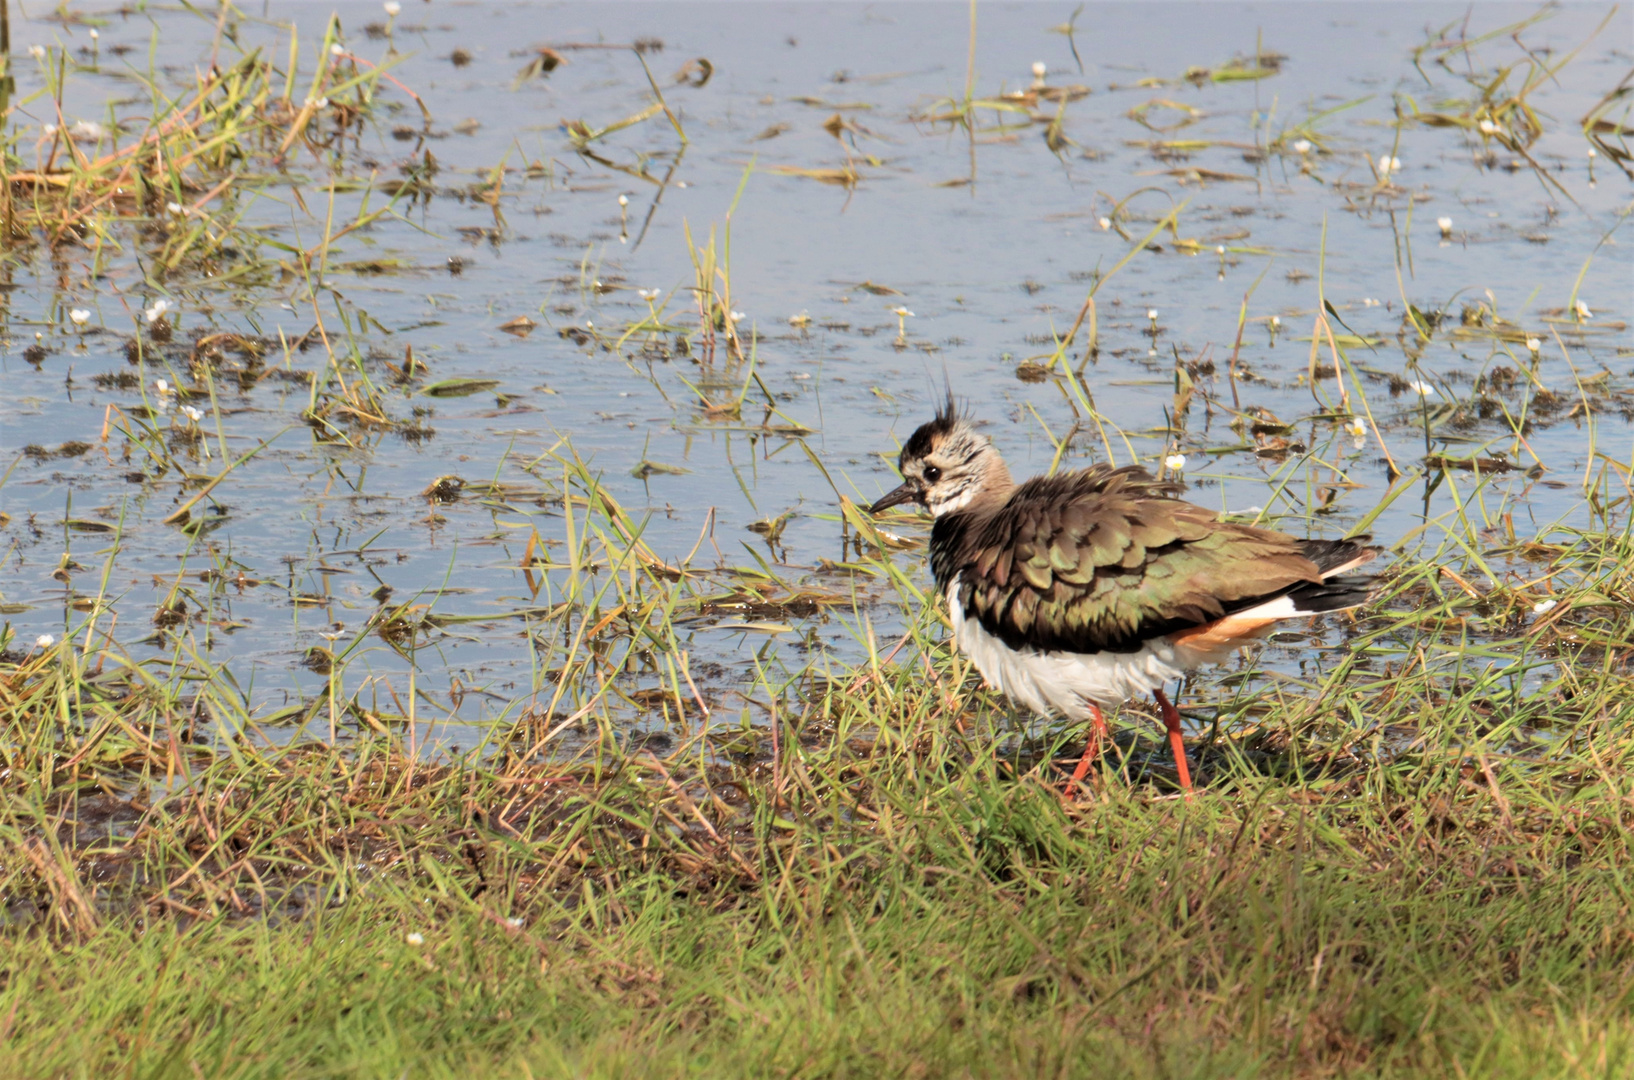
[172, 194]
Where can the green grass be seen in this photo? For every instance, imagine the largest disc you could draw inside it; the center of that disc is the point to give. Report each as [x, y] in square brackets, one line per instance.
[977, 927]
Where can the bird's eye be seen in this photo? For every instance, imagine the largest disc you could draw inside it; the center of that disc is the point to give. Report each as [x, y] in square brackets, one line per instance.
[932, 474]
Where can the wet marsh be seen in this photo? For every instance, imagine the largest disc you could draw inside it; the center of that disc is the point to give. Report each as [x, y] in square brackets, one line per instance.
[434, 442]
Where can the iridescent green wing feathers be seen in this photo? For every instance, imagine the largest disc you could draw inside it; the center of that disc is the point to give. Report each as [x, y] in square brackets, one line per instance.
[1106, 559]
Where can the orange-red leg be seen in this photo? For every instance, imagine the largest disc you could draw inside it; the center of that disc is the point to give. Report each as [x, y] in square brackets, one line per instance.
[1171, 720]
[1092, 747]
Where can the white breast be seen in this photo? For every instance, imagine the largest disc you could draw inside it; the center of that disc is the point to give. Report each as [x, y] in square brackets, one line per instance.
[1060, 683]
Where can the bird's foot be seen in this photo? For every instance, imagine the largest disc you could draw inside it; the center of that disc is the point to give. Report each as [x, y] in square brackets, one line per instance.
[1092, 750]
[1171, 721]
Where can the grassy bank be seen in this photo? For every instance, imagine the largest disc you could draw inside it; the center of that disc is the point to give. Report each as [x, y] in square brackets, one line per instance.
[978, 927]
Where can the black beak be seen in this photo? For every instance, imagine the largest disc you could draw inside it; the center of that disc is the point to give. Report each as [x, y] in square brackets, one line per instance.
[905, 493]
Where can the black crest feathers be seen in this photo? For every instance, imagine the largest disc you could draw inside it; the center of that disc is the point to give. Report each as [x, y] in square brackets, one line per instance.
[947, 418]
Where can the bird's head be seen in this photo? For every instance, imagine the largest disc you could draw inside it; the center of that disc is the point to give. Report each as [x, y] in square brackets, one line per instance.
[947, 465]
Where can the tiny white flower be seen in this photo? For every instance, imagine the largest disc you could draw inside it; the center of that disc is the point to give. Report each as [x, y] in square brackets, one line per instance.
[79, 316]
[157, 310]
[1487, 127]
[161, 386]
[680, 183]
[1593, 153]
[174, 207]
[94, 34]
[415, 939]
[1276, 322]
[1388, 164]
[514, 922]
[37, 51]
[902, 313]
[1357, 427]
[1368, 301]
[1105, 223]
[588, 325]
[735, 316]
[393, 8]
[321, 103]
[1444, 224]
[1175, 462]
[624, 200]
[647, 294]
[1151, 313]
[1543, 607]
[1422, 389]
[44, 641]
[49, 130]
[192, 414]
[337, 49]
[87, 130]
[1533, 344]
[1303, 146]
[1583, 311]
[1219, 249]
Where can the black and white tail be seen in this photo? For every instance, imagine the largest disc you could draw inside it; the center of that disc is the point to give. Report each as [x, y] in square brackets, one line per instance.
[1338, 589]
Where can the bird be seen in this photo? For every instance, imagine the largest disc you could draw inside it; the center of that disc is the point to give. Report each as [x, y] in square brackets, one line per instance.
[1076, 592]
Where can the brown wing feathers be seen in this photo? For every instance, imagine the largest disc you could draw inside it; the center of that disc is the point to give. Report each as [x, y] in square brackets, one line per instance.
[1107, 559]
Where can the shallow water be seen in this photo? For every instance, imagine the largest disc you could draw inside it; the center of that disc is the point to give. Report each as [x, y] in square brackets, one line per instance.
[990, 268]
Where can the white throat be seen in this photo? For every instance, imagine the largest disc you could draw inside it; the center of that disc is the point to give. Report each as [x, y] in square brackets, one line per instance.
[958, 502]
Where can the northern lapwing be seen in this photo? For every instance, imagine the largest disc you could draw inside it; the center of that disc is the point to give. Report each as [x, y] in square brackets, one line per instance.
[1074, 593]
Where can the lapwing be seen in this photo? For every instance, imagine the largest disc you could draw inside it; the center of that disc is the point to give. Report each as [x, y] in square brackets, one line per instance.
[1075, 592]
